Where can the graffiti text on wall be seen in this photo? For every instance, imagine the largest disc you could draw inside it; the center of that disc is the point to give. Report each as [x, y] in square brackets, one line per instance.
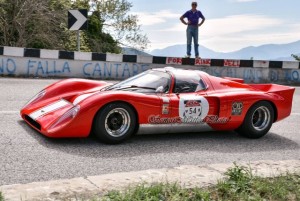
[43, 68]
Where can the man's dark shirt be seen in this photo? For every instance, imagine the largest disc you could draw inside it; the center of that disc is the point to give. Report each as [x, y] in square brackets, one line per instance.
[193, 17]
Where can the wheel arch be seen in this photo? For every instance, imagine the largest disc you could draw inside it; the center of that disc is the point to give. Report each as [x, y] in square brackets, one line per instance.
[275, 111]
[118, 101]
[271, 103]
[248, 129]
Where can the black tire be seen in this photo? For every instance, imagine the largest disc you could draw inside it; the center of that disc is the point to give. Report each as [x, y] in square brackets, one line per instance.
[258, 120]
[115, 123]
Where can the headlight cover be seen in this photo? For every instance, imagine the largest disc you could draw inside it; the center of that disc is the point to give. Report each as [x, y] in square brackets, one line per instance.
[65, 118]
[37, 97]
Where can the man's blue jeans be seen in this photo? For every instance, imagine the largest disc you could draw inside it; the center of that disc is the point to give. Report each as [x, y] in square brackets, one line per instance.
[192, 32]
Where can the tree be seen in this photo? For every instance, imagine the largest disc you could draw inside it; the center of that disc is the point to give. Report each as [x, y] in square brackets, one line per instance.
[98, 40]
[297, 58]
[110, 26]
[94, 37]
[43, 24]
[33, 23]
[116, 25]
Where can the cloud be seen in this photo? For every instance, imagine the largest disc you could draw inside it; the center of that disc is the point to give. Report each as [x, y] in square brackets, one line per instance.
[232, 28]
[152, 18]
[239, 23]
[222, 34]
[285, 33]
[238, 31]
[232, 24]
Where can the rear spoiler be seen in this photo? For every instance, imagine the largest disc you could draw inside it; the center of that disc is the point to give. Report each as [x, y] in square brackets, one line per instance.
[272, 88]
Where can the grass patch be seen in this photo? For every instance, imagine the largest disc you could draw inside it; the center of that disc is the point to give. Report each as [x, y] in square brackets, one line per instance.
[1, 197]
[239, 184]
[157, 192]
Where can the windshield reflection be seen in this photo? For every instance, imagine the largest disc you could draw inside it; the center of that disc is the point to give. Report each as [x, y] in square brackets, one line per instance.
[157, 81]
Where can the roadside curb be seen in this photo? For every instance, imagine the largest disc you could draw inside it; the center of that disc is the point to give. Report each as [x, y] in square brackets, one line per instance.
[186, 175]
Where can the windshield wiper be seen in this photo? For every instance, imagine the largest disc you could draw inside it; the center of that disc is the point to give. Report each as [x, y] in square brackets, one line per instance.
[106, 88]
[134, 86]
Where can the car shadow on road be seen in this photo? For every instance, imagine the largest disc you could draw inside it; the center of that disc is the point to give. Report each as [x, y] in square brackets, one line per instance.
[223, 142]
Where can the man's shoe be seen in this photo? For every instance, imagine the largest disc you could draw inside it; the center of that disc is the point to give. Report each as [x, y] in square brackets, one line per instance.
[197, 57]
[187, 56]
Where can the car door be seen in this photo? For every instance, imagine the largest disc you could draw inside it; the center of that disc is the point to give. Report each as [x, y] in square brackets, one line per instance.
[189, 100]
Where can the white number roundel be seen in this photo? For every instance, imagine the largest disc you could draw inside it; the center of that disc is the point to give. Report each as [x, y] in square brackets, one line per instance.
[193, 107]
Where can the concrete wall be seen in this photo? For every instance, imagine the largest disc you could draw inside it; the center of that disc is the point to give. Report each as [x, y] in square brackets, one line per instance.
[53, 63]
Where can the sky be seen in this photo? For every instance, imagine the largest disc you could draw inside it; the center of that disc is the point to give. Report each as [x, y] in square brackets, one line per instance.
[230, 24]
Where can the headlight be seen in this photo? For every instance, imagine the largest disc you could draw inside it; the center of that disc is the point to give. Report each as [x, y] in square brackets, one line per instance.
[37, 97]
[66, 118]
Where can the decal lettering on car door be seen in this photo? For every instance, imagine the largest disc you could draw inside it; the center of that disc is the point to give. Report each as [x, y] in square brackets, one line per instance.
[165, 106]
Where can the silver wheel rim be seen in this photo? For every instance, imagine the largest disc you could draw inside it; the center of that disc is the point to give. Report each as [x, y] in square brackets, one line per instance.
[261, 118]
[117, 122]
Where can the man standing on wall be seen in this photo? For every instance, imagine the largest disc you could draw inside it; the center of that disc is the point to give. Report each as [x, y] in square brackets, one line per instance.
[193, 24]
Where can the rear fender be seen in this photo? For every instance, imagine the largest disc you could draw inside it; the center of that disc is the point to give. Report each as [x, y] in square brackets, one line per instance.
[228, 108]
[282, 97]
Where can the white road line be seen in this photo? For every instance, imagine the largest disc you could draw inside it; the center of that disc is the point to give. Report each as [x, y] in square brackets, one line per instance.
[296, 113]
[9, 112]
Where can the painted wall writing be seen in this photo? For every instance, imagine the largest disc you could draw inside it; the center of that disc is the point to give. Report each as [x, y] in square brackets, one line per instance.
[90, 69]
[69, 68]
[112, 70]
[7, 66]
[22, 66]
[221, 71]
[292, 75]
[257, 75]
[288, 75]
[252, 75]
[40, 67]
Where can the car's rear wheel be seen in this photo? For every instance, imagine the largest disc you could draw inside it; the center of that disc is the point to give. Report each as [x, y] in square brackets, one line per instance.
[115, 123]
[258, 120]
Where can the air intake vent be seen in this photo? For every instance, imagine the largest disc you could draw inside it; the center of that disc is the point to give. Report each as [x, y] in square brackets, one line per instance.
[32, 122]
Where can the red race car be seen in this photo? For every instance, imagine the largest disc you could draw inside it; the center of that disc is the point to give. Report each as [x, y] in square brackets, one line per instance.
[157, 100]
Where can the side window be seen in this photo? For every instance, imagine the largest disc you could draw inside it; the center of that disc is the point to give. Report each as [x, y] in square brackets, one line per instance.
[201, 85]
[187, 83]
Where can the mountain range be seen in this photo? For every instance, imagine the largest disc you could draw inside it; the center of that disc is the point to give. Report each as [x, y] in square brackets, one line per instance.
[280, 52]
[263, 52]
[133, 51]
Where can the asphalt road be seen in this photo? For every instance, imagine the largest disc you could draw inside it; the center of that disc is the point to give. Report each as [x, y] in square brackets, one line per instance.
[26, 156]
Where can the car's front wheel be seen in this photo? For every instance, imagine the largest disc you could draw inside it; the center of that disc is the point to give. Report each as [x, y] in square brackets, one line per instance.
[258, 120]
[115, 123]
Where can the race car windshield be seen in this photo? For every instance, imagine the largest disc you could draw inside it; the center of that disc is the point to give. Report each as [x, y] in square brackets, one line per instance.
[151, 79]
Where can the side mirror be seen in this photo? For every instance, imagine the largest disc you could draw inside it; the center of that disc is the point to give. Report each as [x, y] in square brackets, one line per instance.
[159, 89]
